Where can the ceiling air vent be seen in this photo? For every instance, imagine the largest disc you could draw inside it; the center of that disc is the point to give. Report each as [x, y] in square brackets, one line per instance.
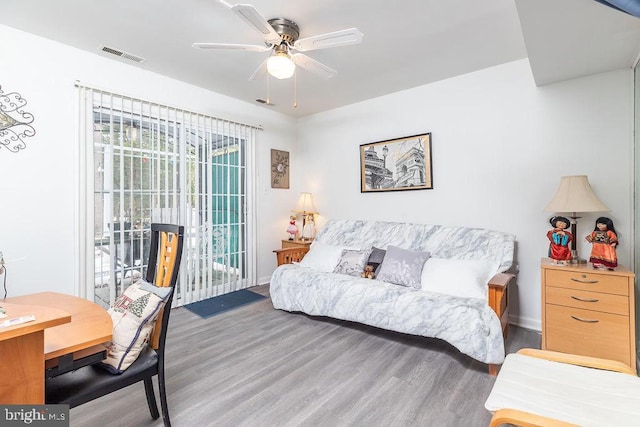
[121, 54]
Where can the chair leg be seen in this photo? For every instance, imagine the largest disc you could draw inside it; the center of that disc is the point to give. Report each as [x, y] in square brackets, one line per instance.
[151, 398]
[163, 399]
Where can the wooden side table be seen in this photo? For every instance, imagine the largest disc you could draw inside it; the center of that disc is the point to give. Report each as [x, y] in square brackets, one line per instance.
[588, 311]
[298, 243]
[292, 251]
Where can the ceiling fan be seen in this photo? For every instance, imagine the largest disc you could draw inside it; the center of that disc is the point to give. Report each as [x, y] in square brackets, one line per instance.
[281, 37]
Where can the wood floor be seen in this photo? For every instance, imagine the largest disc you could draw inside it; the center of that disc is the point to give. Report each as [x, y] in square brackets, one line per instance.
[256, 366]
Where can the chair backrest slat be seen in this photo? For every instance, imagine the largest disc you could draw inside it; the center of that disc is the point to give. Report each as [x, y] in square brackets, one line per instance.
[164, 264]
[168, 249]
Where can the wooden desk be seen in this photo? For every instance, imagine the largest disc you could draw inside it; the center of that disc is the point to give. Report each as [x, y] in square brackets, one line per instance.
[66, 329]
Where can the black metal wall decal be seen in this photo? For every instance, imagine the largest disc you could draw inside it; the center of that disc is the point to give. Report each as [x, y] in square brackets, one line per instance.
[15, 123]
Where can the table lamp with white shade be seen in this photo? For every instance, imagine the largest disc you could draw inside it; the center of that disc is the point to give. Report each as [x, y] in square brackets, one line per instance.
[574, 195]
[305, 206]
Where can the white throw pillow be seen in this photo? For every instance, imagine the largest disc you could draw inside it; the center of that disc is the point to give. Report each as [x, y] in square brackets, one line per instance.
[463, 278]
[322, 257]
[352, 262]
[134, 315]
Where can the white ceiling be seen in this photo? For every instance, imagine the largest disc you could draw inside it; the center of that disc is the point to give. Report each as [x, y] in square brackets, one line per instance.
[407, 43]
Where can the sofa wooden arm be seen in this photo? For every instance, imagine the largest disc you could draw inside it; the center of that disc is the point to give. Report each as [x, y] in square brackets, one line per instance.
[499, 302]
[289, 255]
[574, 359]
[499, 298]
[501, 280]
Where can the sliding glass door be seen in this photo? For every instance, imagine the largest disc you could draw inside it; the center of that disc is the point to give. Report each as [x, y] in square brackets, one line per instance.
[152, 163]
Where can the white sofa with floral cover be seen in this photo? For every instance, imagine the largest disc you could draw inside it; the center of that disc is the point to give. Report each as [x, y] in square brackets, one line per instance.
[436, 281]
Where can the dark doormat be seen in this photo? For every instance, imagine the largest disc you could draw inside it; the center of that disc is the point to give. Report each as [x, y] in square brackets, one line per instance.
[216, 305]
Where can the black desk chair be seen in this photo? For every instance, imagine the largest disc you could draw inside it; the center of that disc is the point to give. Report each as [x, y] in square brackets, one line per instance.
[91, 382]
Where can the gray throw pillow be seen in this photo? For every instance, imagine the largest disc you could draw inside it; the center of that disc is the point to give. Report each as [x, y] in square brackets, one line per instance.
[352, 262]
[403, 267]
[376, 257]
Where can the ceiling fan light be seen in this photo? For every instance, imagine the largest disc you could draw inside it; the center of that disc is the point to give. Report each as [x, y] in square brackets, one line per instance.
[280, 66]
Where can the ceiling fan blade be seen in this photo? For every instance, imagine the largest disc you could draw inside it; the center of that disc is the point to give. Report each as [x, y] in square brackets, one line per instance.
[313, 66]
[334, 39]
[230, 46]
[251, 15]
[260, 72]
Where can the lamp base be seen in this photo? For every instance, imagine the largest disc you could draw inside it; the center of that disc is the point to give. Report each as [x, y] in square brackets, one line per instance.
[575, 259]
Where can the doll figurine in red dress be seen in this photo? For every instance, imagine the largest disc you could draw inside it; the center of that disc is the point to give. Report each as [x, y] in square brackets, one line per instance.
[292, 228]
[559, 239]
[604, 241]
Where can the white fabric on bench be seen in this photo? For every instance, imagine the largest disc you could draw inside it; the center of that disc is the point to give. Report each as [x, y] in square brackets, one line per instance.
[570, 393]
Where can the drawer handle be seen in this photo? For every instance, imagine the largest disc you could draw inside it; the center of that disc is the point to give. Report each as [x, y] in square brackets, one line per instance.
[585, 320]
[584, 299]
[584, 281]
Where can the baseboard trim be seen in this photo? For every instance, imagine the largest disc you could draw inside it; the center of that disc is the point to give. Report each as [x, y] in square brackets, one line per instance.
[527, 323]
[264, 280]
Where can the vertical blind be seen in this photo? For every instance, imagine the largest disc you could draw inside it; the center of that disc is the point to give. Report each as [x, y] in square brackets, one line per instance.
[145, 162]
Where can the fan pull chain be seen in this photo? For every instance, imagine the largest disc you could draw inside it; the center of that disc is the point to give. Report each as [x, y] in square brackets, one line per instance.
[268, 99]
[295, 89]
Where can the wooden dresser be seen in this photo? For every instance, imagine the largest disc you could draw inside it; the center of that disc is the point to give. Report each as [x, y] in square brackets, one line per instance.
[589, 312]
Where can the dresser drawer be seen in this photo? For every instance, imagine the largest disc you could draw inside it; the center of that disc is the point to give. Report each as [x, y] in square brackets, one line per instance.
[587, 281]
[587, 332]
[597, 301]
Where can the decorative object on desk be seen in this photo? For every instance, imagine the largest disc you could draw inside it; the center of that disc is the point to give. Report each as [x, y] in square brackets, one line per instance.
[17, 321]
[223, 303]
[604, 240]
[292, 229]
[309, 229]
[304, 207]
[574, 195]
[15, 123]
[396, 164]
[279, 169]
[3, 272]
[559, 239]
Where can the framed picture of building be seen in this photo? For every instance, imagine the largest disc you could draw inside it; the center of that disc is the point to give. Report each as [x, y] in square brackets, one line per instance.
[396, 164]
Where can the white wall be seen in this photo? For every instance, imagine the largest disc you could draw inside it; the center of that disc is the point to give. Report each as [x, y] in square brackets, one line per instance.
[500, 146]
[38, 231]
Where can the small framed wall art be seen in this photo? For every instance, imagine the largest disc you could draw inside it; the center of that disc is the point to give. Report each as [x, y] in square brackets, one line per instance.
[396, 164]
[279, 169]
